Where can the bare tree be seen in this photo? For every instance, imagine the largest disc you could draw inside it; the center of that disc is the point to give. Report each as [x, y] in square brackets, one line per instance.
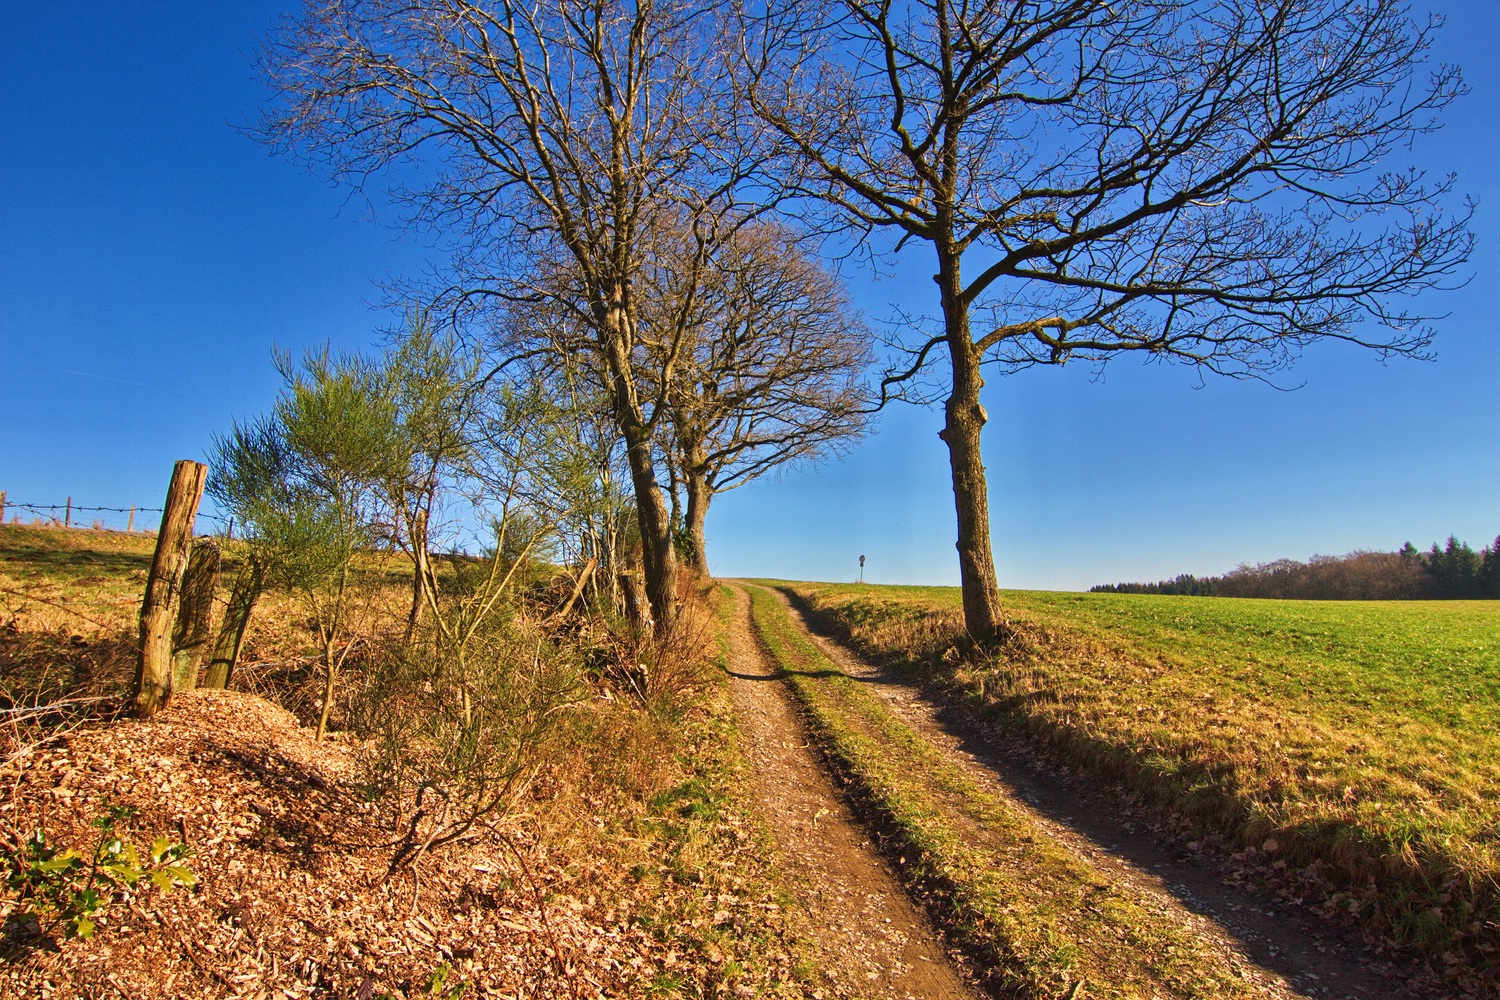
[553, 128]
[775, 371]
[1202, 181]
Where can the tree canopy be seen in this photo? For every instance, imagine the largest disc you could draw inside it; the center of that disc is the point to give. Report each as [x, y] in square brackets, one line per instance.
[1211, 182]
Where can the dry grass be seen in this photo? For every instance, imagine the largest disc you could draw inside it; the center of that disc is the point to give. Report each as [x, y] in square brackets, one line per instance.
[1040, 919]
[627, 865]
[1356, 742]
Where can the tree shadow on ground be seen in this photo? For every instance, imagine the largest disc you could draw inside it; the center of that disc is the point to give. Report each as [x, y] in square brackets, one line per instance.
[20, 935]
[1096, 806]
[312, 820]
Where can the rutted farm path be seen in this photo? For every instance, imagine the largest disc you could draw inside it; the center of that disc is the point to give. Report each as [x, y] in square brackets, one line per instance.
[872, 942]
[875, 941]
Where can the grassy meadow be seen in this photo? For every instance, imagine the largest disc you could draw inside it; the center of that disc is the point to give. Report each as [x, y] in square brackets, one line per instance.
[1359, 738]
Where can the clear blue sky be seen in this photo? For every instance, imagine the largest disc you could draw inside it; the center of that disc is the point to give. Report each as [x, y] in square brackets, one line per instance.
[150, 255]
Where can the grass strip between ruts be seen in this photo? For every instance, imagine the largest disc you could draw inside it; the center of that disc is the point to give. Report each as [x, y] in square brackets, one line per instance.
[1352, 745]
[1035, 915]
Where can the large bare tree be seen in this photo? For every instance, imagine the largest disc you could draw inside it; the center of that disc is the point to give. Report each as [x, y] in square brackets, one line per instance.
[775, 372]
[550, 129]
[750, 357]
[1214, 182]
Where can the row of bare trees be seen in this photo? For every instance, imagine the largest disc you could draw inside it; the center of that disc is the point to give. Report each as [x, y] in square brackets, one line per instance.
[608, 209]
[628, 188]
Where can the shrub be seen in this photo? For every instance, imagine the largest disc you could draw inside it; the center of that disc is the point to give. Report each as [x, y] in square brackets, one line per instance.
[62, 885]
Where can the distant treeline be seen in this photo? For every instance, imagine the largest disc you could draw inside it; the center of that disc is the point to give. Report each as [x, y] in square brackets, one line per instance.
[1452, 572]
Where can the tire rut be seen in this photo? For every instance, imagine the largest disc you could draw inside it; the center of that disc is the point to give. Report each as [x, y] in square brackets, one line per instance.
[872, 941]
[1312, 959]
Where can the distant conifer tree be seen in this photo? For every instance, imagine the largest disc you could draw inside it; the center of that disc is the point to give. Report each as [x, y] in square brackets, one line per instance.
[1488, 578]
[1456, 567]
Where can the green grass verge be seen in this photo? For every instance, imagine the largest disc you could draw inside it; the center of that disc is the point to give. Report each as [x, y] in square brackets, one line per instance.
[1359, 737]
[1037, 917]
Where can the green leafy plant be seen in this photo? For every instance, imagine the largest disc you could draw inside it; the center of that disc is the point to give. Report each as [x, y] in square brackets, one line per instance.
[436, 986]
[63, 885]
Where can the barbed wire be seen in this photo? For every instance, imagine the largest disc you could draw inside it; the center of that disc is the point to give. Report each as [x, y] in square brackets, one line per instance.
[37, 508]
[71, 515]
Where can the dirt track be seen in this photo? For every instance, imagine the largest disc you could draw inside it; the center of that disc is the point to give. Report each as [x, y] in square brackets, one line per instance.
[872, 942]
[1298, 955]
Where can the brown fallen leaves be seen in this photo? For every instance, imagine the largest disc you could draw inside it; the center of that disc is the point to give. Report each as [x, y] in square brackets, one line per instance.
[295, 898]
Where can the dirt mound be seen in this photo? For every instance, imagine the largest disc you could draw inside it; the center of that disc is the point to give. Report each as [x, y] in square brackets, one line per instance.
[294, 895]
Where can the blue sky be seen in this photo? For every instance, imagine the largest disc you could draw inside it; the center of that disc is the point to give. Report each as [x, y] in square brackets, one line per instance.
[150, 255]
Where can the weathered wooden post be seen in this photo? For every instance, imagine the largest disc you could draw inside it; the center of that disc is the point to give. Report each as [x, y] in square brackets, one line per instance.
[68, 514]
[130, 525]
[2, 506]
[195, 612]
[153, 674]
[226, 654]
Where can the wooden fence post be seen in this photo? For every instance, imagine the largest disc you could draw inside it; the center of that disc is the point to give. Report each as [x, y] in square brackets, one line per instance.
[2, 506]
[226, 654]
[153, 674]
[130, 525]
[68, 514]
[195, 612]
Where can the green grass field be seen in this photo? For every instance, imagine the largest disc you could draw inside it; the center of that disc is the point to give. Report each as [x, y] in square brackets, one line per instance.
[1362, 735]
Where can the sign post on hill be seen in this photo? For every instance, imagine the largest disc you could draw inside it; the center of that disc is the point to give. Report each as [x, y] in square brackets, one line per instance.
[153, 675]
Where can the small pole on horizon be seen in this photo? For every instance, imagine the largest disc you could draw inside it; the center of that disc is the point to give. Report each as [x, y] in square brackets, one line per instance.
[68, 514]
[130, 525]
[861, 569]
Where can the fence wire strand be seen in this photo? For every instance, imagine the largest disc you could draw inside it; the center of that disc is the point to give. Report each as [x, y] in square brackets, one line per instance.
[84, 517]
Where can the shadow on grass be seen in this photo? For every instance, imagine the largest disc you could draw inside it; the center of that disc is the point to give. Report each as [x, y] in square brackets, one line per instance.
[70, 565]
[38, 668]
[782, 674]
[1080, 781]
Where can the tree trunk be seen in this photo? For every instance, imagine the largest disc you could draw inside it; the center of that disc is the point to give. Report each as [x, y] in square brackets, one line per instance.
[153, 674]
[658, 558]
[195, 612]
[698, 497]
[637, 607]
[983, 616]
[330, 677]
[242, 598]
[422, 578]
[584, 575]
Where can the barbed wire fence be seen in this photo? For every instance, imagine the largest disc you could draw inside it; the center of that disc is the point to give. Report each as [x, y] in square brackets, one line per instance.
[133, 519]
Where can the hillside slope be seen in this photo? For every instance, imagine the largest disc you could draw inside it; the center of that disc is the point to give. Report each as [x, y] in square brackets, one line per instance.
[295, 897]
